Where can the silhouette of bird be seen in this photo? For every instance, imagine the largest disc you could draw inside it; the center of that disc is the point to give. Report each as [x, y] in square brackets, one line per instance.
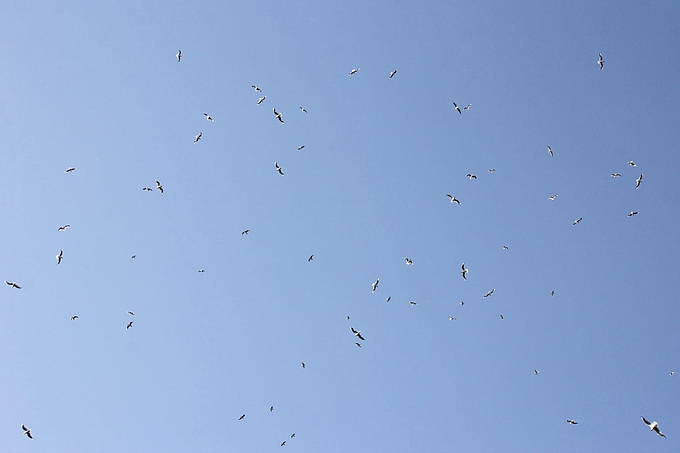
[311, 257]
[550, 151]
[653, 426]
[451, 318]
[375, 285]
[133, 257]
[632, 213]
[502, 317]
[303, 365]
[278, 168]
[358, 344]
[261, 100]
[389, 298]
[26, 431]
[552, 197]
[462, 303]
[209, 118]
[467, 107]
[572, 422]
[455, 106]
[148, 189]
[74, 317]
[245, 232]
[304, 110]
[471, 176]
[201, 270]
[505, 247]
[493, 170]
[292, 435]
[278, 116]
[300, 148]
[283, 444]
[198, 137]
[552, 293]
[601, 62]
[179, 55]
[413, 302]
[129, 325]
[271, 408]
[535, 372]
[453, 199]
[409, 261]
[671, 373]
[131, 313]
[631, 163]
[60, 256]
[159, 186]
[393, 73]
[638, 181]
[577, 220]
[353, 71]
[242, 417]
[489, 293]
[256, 88]
[62, 228]
[464, 272]
[615, 175]
[357, 333]
[13, 285]
[70, 169]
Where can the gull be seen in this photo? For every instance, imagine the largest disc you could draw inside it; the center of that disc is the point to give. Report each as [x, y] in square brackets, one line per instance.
[632, 213]
[464, 271]
[209, 118]
[490, 293]
[493, 170]
[133, 257]
[572, 422]
[271, 408]
[550, 151]
[353, 71]
[631, 163]
[462, 303]
[311, 257]
[283, 443]
[129, 325]
[552, 293]
[552, 197]
[70, 169]
[455, 106]
[601, 62]
[638, 181]
[261, 100]
[389, 298]
[159, 186]
[393, 73]
[303, 365]
[278, 115]
[615, 175]
[357, 333]
[198, 137]
[453, 199]
[300, 148]
[413, 302]
[451, 318]
[653, 426]
[201, 270]
[148, 189]
[292, 435]
[375, 285]
[62, 228]
[74, 317]
[358, 344]
[577, 220]
[242, 417]
[505, 247]
[467, 107]
[26, 431]
[256, 88]
[304, 110]
[409, 261]
[535, 372]
[348, 317]
[179, 55]
[671, 373]
[245, 232]
[13, 285]
[60, 256]
[471, 176]
[278, 168]
[502, 317]
[131, 313]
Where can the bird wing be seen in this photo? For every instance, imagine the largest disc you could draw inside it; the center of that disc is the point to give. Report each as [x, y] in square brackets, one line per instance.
[353, 330]
[360, 337]
[647, 422]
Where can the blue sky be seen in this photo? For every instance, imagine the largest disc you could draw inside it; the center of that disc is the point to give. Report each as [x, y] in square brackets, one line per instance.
[98, 87]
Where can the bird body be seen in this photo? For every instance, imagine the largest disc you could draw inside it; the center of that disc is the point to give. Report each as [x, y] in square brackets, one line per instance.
[409, 261]
[311, 257]
[389, 298]
[358, 344]
[357, 333]
[413, 302]
[159, 186]
[552, 197]
[74, 317]
[131, 313]
[471, 176]
[245, 232]
[632, 213]
[467, 107]
[256, 88]
[304, 110]
[631, 163]
[615, 175]
[242, 417]
[550, 151]
[303, 365]
[300, 148]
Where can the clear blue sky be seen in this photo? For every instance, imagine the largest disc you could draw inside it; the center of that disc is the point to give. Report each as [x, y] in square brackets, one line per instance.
[97, 87]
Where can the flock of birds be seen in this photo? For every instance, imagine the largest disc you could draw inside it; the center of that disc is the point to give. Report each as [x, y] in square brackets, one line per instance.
[653, 426]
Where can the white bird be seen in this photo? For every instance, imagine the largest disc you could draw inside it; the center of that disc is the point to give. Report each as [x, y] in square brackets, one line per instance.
[131, 313]
[159, 186]
[409, 261]
[304, 110]
[505, 247]
[300, 148]
[357, 333]
[74, 317]
[279, 169]
[413, 302]
[393, 73]
[671, 373]
[462, 303]
[572, 422]
[179, 55]
[451, 318]
[375, 285]
[464, 272]
[13, 285]
[653, 426]
[550, 151]
[467, 107]
[278, 116]
[453, 199]
[502, 317]
[70, 169]
[615, 175]
[26, 431]
[632, 213]
[631, 163]
[198, 137]
[601, 62]
[577, 220]
[455, 106]
[209, 118]
[638, 181]
[147, 189]
[490, 293]
[261, 100]
[201, 270]
[535, 372]
[353, 71]
[552, 197]
[62, 228]
[493, 170]
[256, 88]
[471, 176]
[60, 256]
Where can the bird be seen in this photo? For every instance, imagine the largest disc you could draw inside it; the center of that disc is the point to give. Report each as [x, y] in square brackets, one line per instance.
[464, 272]
[198, 137]
[632, 213]
[535, 372]
[601, 62]
[552, 197]
[572, 422]
[357, 333]
[358, 344]
[393, 73]
[303, 365]
[490, 293]
[300, 148]
[159, 186]
[451, 318]
[131, 313]
[74, 317]
[471, 176]
[60, 256]
[129, 325]
[62, 228]
[304, 110]
[638, 181]
[493, 170]
[348, 317]
[26, 431]
[413, 302]
[409, 261]
[242, 417]
[179, 55]
[278, 115]
[653, 426]
[148, 189]
[245, 232]
[292, 435]
[462, 303]
[552, 293]
[70, 169]
[577, 220]
[389, 298]
[13, 285]
[631, 163]
[353, 71]
[278, 168]
[467, 107]
[311, 257]
[209, 118]
[550, 151]
[671, 373]
[271, 408]
[133, 257]
[375, 285]
[256, 88]
[453, 199]
[261, 100]
[283, 443]
[201, 270]
[615, 175]
[455, 106]
[505, 247]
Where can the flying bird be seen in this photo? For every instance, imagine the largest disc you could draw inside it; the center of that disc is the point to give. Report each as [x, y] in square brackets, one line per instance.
[453, 199]
[601, 62]
[201, 270]
[393, 73]
[631, 163]
[451, 318]
[148, 189]
[278, 168]
[535, 372]
[133, 257]
[304, 110]
[358, 344]
[283, 443]
[62, 228]
[413, 302]
[357, 333]
[632, 213]
[198, 137]
[129, 325]
[375, 285]
[278, 115]
[462, 303]
[467, 107]
[490, 293]
[505, 247]
[179, 55]
[502, 317]
[552, 293]
[471, 176]
[389, 298]
[303, 365]
[242, 417]
[292, 435]
[13, 285]
[131, 313]
[256, 88]
[271, 408]
[615, 175]
[464, 271]
[409, 261]
[311, 257]
[300, 148]
[577, 220]
[653, 426]
[70, 169]
[74, 317]
[550, 151]
[60, 256]
[353, 71]
[552, 197]
[26, 431]
[638, 181]
[572, 422]
[245, 232]
[455, 106]
[209, 118]
[493, 170]
[159, 186]
[261, 100]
